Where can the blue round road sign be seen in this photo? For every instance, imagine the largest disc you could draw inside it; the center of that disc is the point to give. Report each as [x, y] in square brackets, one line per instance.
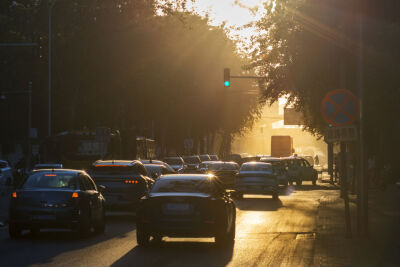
[339, 108]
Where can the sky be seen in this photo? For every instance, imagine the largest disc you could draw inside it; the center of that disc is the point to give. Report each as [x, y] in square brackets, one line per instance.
[235, 13]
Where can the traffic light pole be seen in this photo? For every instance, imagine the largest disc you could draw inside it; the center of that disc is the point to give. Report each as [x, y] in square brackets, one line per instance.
[247, 77]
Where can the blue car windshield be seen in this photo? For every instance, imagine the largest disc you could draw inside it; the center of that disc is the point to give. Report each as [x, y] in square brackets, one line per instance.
[51, 180]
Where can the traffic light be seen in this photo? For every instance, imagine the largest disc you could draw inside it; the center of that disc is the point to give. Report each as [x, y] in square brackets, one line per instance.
[227, 77]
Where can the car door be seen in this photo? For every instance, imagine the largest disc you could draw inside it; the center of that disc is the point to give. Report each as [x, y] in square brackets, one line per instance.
[307, 171]
[94, 196]
[220, 192]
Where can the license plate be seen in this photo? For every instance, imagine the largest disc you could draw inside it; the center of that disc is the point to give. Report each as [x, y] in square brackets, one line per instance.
[179, 207]
[48, 217]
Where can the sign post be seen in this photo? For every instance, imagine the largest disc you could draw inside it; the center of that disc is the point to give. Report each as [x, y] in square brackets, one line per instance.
[340, 110]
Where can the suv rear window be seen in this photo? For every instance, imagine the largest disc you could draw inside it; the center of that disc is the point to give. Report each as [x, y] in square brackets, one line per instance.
[116, 169]
[182, 186]
[257, 167]
[51, 180]
[192, 160]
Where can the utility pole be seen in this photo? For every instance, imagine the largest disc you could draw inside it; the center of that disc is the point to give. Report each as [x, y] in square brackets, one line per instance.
[362, 196]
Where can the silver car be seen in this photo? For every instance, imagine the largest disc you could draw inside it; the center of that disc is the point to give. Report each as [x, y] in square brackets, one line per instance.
[256, 178]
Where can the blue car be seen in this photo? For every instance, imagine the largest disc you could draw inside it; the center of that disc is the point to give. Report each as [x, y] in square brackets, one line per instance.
[256, 178]
[57, 199]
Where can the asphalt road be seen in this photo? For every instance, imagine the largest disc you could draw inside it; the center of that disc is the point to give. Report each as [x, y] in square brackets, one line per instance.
[268, 233]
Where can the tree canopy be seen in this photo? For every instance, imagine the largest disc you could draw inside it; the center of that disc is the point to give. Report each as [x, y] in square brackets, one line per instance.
[129, 66]
[306, 48]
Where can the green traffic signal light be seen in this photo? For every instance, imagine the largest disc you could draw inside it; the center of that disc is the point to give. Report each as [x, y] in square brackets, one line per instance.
[227, 77]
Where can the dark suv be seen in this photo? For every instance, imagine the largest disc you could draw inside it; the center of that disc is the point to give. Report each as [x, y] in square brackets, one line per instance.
[125, 181]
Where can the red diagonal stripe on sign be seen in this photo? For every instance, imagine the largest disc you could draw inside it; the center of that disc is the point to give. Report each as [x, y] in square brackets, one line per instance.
[339, 108]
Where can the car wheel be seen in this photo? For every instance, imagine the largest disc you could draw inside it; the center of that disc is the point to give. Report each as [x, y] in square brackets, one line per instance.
[100, 226]
[299, 182]
[142, 237]
[14, 231]
[314, 182]
[275, 196]
[232, 233]
[291, 182]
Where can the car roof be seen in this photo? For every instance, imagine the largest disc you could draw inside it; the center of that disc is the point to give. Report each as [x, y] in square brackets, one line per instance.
[186, 176]
[153, 165]
[48, 164]
[59, 170]
[256, 163]
[115, 162]
[270, 159]
[173, 158]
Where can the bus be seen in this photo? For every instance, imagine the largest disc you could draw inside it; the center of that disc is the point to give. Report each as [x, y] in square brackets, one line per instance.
[79, 149]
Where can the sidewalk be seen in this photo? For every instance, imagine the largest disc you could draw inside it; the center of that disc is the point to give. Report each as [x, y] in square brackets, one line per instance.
[381, 248]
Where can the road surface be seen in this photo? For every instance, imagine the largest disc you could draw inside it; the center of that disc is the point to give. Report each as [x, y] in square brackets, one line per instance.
[268, 233]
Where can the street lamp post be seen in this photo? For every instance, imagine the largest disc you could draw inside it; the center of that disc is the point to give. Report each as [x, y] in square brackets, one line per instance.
[51, 5]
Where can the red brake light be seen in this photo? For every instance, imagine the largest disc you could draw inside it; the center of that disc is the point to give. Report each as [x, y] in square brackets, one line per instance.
[75, 195]
[50, 175]
[131, 181]
[14, 194]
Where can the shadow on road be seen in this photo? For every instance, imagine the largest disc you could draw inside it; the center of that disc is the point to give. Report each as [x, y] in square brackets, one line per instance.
[178, 254]
[310, 187]
[41, 248]
[261, 204]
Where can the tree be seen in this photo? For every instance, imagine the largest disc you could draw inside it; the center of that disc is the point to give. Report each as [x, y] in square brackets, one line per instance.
[307, 48]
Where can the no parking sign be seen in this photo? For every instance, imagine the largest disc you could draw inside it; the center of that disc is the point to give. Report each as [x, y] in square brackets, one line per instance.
[339, 108]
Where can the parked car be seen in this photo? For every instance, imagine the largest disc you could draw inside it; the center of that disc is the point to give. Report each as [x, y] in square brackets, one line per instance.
[186, 205]
[6, 175]
[42, 166]
[126, 182]
[205, 157]
[176, 163]
[192, 162]
[300, 170]
[279, 168]
[155, 171]
[159, 162]
[57, 199]
[256, 178]
[226, 172]
[204, 166]
[214, 157]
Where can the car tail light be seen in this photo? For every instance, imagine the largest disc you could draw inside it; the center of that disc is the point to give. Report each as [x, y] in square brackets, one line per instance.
[131, 181]
[14, 194]
[75, 195]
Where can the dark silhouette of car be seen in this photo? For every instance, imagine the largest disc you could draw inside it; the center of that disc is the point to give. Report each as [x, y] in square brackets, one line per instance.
[192, 163]
[186, 205]
[57, 199]
[226, 172]
[126, 182]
